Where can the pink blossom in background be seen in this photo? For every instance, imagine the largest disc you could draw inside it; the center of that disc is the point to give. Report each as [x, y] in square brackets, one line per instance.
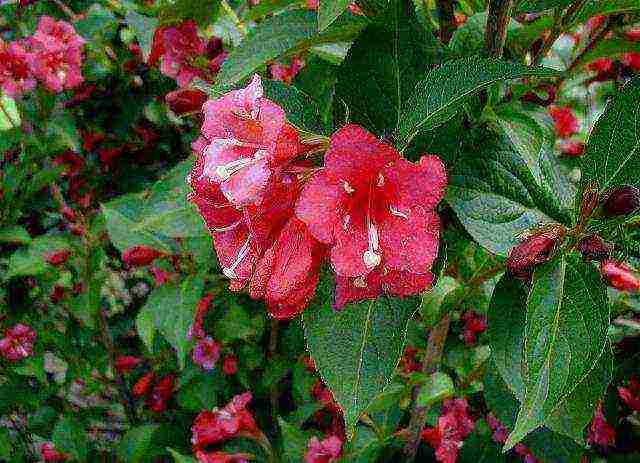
[16, 77]
[565, 121]
[453, 427]
[206, 353]
[323, 451]
[17, 343]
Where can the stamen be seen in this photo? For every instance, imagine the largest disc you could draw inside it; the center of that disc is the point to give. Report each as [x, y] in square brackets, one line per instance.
[398, 213]
[371, 259]
[230, 272]
[360, 282]
[348, 188]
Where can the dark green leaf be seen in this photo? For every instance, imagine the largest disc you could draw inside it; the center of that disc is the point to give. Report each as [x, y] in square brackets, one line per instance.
[300, 108]
[137, 444]
[615, 47]
[432, 300]
[99, 24]
[70, 437]
[266, 7]
[328, 12]
[294, 442]
[204, 12]
[605, 7]
[357, 348]
[612, 157]
[383, 66]
[14, 234]
[179, 458]
[441, 93]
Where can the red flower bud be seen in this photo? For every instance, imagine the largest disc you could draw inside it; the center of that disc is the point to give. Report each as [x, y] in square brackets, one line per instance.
[58, 257]
[49, 453]
[139, 256]
[572, 148]
[161, 394]
[68, 213]
[622, 201]
[534, 250]
[126, 363]
[185, 100]
[230, 365]
[620, 276]
[143, 386]
[593, 247]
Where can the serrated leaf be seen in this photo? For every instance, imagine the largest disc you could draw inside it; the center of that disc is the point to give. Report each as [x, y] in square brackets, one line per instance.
[69, 436]
[564, 337]
[382, 67]
[137, 443]
[356, 349]
[289, 32]
[328, 12]
[612, 157]
[441, 93]
[144, 27]
[9, 115]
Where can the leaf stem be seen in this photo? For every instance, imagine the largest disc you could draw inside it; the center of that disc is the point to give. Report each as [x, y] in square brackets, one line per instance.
[430, 364]
[497, 22]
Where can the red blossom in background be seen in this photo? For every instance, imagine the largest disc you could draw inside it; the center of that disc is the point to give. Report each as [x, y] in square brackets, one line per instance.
[474, 324]
[17, 343]
[161, 394]
[58, 258]
[600, 432]
[409, 363]
[632, 60]
[219, 425]
[620, 276]
[139, 256]
[601, 65]
[230, 365]
[500, 434]
[376, 212]
[143, 386]
[49, 453]
[72, 162]
[15, 75]
[197, 328]
[206, 353]
[127, 363]
[323, 451]
[631, 394]
[185, 100]
[565, 121]
[572, 148]
[454, 425]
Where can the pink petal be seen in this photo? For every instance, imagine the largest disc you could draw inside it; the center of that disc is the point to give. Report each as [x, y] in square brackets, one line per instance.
[247, 185]
[421, 184]
[406, 284]
[348, 250]
[320, 207]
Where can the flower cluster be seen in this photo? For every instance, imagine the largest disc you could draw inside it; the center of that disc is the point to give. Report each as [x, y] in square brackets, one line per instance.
[157, 395]
[52, 55]
[323, 451]
[454, 425]
[600, 431]
[17, 343]
[275, 217]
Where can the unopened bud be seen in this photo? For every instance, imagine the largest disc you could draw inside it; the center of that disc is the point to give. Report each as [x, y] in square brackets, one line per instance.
[139, 256]
[185, 100]
[593, 247]
[622, 201]
[534, 250]
[620, 276]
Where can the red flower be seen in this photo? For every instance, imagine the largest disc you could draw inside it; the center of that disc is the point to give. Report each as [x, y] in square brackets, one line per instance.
[139, 256]
[565, 120]
[534, 250]
[206, 353]
[592, 247]
[230, 365]
[620, 276]
[631, 394]
[313, 4]
[90, 140]
[219, 425]
[633, 35]
[197, 328]
[624, 200]
[15, 75]
[474, 324]
[161, 394]
[49, 453]
[17, 343]
[72, 162]
[143, 385]
[572, 148]
[221, 457]
[288, 273]
[600, 432]
[601, 65]
[58, 257]
[325, 451]
[108, 156]
[185, 100]
[181, 44]
[127, 363]
[632, 60]
[376, 211]
[454, 425]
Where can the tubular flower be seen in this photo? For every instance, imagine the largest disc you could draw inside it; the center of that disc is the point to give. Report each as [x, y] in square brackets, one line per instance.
[185, 100]
[620, 276]
[534, 250]
[219, 425]
[127, 363]
[323, 451]
[376, 211]
[454, 425]
[474, 324]
[632, 60]
[49, 453]
[288, 273]
[181, 45]
[161, 394]
[15, 75]
[143, 385]
[600, 432]
[56, 55]
[230, 365]
[565, 121]
[139, 256]
[622, 201]
[17, 343]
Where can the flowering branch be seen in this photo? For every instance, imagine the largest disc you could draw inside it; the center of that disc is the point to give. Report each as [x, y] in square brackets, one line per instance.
[497, 21]
[430, 364]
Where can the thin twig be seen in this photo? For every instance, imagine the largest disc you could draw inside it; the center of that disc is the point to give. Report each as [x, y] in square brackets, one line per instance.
[430, 364]
[497, 22]
[447, 20]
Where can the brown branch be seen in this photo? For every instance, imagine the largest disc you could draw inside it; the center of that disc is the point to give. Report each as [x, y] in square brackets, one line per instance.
[430, 364]
[447, 19]
[497, 22]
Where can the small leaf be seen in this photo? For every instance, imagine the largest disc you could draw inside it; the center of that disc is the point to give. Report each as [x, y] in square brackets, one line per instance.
[70, 437]
[144, 27]
[438, 387]
[441, 93]
[328, 12]
[294, 442]
[535, 6]
[14, 234]
[9, 115]
[612, 157]
[357, 348]
[433, 299]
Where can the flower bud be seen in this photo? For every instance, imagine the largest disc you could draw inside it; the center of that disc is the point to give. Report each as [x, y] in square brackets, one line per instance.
[593, 247]
[143, 385]
[534, 250]
[620, 276]
[58, 257]
[139, 256]
[622, 201]
[185, 100]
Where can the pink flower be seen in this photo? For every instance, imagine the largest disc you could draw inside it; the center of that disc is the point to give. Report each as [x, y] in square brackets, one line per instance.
[313, 4]
[219, 425]
[56, 55]
[15, 75]
[58, 258]
[287, 275]
[376, 212]
[565, 120]
[49, 453]
[454, 425]
[182, 45]
[286, 73]
[500, 432]
[160, 276]
[206, 353]
[631, 394]
[620, 276]
[600, 432]
[221, 457]
[474, 324]
[323, 451]
[17, 343]
[632, 60]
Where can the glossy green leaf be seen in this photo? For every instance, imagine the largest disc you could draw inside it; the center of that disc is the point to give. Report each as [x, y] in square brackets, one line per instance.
[375, 80]
[328, 12]
[439, 95]
[433, 299]
[69, 436]
[357, 348]
[301, 110]
[564, 337]
[438, 387]
[612, 157]
[9, 115]
[289, 32]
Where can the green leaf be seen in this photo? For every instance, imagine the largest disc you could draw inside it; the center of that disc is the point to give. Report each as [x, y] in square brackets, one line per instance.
[294, 442]
[301, 110]
[612, 157]
[610, 48]
[383, 66]
[204, 12]
[33, 366]
[267, 7]
[30, 261]
[289, 32]
[605, 7]
[328, 12]
[564, 337]
[62, 129]
[433, 299]
[99, 24]
[173, 307]
[14, 234]
[143, 27]
[438, 387]
[237, 325]
[179, 458]
[137, 444]
[357, 348]
[9, 115]
[441, 93]
[5, 444]
[70, 437]
[535, 6]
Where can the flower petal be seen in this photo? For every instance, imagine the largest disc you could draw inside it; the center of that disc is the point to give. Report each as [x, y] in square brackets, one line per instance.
[350, 290]
[247, 185]
[405, 283]
[319, 207]
[348, 250]
[421, 184]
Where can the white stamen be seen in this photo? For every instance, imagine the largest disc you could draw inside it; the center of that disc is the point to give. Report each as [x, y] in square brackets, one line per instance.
[230, 272]
[398, 213]
[348, 188]
[373, 237]
[380, 180]
[360, 282]
[227, 228]
[371, 259]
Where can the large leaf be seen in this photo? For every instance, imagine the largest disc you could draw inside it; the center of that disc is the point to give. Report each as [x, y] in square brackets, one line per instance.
[137, 445]
[441, 93]
[289, 32]
[172, 308]
[564, 337]
[329, 12]
[357, 348]
[383, 67]
[301, 110]
[612, 157]
[69, 436]
[497, 196]
[31, 260]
